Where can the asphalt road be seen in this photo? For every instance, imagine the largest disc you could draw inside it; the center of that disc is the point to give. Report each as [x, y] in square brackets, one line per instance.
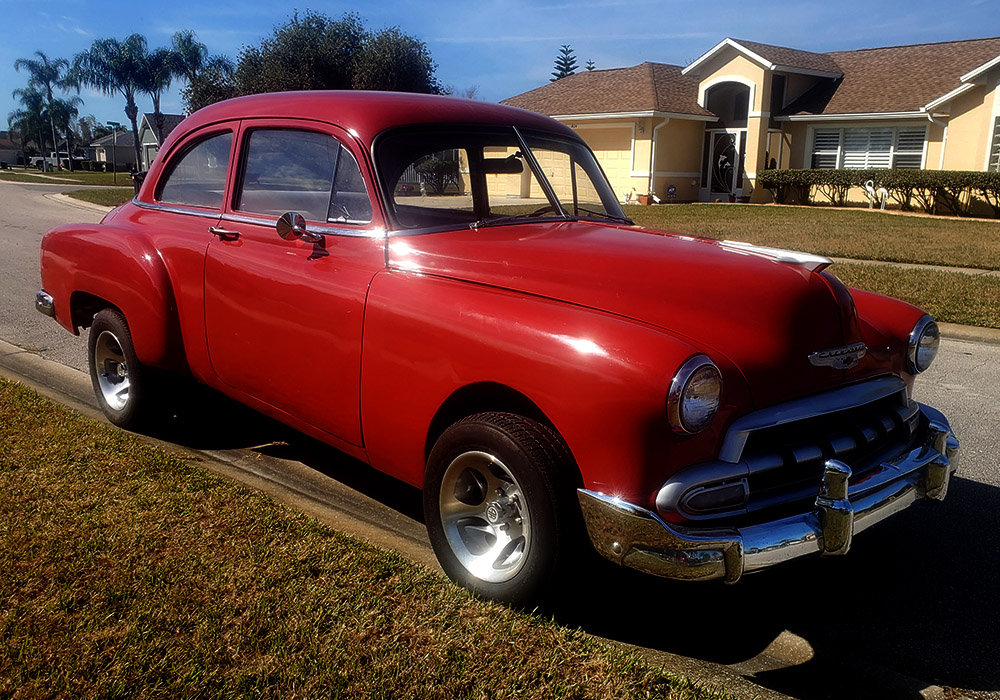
[912, 607]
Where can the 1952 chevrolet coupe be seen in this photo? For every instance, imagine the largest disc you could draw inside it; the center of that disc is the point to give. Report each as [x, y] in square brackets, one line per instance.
[449, 291]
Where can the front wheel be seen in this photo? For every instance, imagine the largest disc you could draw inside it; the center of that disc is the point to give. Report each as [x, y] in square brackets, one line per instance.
[121, 382]
[497, 504]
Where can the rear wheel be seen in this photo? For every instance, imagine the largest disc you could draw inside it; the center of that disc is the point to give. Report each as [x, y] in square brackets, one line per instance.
[498, 505]
[121, 383]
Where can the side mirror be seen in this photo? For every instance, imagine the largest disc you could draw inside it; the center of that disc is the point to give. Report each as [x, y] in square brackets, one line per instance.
[292, 225]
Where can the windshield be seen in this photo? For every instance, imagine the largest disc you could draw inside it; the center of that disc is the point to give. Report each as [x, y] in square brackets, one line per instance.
[467, 176]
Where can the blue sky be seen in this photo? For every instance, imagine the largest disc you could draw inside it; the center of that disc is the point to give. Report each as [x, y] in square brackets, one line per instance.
[502, 46]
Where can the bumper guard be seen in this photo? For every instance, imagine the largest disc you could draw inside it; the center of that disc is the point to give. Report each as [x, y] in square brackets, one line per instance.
[640, 539]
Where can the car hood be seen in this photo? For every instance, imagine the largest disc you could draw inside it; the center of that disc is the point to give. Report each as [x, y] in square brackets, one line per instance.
[764, 315]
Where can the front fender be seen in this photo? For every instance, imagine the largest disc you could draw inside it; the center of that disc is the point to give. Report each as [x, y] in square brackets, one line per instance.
[600, 379]
[125, 270]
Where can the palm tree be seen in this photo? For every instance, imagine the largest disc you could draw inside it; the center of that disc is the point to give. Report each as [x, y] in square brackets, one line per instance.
[191, 54]
[32, 114]
[45, 75]
[63, 112]
[116, 67]
[162, 66]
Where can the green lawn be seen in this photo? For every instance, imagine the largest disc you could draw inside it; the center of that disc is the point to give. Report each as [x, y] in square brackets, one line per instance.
[847, 233]
[78, 177]
[130, 573]
[104, 197]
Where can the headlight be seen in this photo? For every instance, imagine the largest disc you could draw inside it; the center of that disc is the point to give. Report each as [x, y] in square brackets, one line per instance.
[694, 396]
[924, 340]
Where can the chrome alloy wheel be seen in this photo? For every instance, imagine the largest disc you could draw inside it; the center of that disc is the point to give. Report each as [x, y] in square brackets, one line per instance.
[112, 370]
[485, 517]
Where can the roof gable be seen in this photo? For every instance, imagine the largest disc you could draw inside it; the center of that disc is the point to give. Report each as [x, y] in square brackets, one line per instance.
[770, 57]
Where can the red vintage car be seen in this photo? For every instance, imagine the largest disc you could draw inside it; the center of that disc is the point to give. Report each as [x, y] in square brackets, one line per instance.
[450, 291]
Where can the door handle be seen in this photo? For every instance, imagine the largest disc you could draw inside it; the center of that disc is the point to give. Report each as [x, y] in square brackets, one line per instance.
[224, 234]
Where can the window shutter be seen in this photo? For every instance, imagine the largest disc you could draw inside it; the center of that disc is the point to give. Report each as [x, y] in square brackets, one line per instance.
[909, 152]
[994, 165]
[826, 147]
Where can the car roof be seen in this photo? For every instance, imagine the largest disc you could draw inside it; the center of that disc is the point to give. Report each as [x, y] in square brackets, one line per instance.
[368, 113]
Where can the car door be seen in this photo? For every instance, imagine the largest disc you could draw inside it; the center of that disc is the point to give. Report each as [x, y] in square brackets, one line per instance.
[284, 317]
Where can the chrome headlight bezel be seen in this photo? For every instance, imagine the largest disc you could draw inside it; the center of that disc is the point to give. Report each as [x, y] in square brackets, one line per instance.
[923, 345]
[684, 413]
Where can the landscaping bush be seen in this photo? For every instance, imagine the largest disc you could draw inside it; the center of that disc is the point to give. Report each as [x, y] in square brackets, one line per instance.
[935, 191]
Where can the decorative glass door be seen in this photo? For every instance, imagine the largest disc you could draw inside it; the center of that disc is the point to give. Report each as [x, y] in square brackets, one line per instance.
[722, 162]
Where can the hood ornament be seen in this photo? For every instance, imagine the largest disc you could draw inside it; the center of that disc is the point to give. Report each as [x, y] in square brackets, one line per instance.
[844, 357]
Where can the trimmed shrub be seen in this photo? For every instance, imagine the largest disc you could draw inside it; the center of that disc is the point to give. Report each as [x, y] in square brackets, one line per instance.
[934, 191]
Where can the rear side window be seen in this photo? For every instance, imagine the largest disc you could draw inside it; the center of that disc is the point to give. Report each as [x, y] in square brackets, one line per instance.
[303, 171]
[198, 177]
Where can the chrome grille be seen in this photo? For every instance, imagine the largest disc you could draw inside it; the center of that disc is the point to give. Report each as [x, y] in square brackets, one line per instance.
[778, 453]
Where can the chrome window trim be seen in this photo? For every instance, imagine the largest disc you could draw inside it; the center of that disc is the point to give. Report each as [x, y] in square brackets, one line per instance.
[177, 209]
[311, 228]
[809, 407]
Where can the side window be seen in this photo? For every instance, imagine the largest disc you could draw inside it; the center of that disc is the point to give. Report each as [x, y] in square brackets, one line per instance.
[303, 171]
[198, 177]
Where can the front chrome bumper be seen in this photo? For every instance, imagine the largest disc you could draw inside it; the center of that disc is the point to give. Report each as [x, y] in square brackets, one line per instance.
[638, 538]
[44, 303]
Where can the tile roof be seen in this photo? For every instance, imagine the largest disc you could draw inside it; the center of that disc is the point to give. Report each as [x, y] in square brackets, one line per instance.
[642, 88]
[791, 58]
[897, 78]
[887, 79]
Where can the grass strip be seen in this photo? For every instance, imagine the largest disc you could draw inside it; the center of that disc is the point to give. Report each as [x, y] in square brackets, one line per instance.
[130, 573]
[79, 177]
[845, 233]
[952, 297]
[107, 198]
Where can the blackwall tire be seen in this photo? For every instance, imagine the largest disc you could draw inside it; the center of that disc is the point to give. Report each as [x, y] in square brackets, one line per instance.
[123, 385]
[499, 506]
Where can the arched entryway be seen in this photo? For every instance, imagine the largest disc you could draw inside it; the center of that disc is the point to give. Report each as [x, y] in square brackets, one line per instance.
[724, 146]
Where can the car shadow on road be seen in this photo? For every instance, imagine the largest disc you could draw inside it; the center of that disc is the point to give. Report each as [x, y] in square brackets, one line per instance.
[916, 595]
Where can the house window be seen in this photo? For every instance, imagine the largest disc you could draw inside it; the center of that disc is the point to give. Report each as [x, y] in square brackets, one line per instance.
[869, 147]
[994, 165]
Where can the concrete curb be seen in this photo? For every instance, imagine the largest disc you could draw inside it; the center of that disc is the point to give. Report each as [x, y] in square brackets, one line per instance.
[78, 203]
[974, 334]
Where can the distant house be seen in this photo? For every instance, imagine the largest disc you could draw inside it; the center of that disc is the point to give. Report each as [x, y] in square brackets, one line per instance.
[150, 143]
[704, 131]
[118, 148]
[10, 152]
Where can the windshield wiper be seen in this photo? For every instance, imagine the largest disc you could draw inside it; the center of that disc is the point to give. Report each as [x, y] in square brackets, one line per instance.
[498, 220]
[605, 215]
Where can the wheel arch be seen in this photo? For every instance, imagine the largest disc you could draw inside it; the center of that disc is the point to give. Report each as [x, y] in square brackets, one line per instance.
[482, 397]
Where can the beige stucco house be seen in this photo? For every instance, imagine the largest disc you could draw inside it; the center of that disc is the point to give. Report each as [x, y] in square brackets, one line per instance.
[702, 132]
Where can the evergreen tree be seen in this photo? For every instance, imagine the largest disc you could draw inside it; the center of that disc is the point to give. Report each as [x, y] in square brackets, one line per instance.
[565, 63]
[590, 65]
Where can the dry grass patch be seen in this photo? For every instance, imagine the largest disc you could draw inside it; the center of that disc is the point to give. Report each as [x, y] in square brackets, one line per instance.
[129, 573]
[847, 233]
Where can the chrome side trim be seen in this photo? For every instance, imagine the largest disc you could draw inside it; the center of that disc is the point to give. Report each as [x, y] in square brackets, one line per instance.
[44, 304]
[638, 538]
[811, 262]
[802, 409]
[311, 228]
[177, 209]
